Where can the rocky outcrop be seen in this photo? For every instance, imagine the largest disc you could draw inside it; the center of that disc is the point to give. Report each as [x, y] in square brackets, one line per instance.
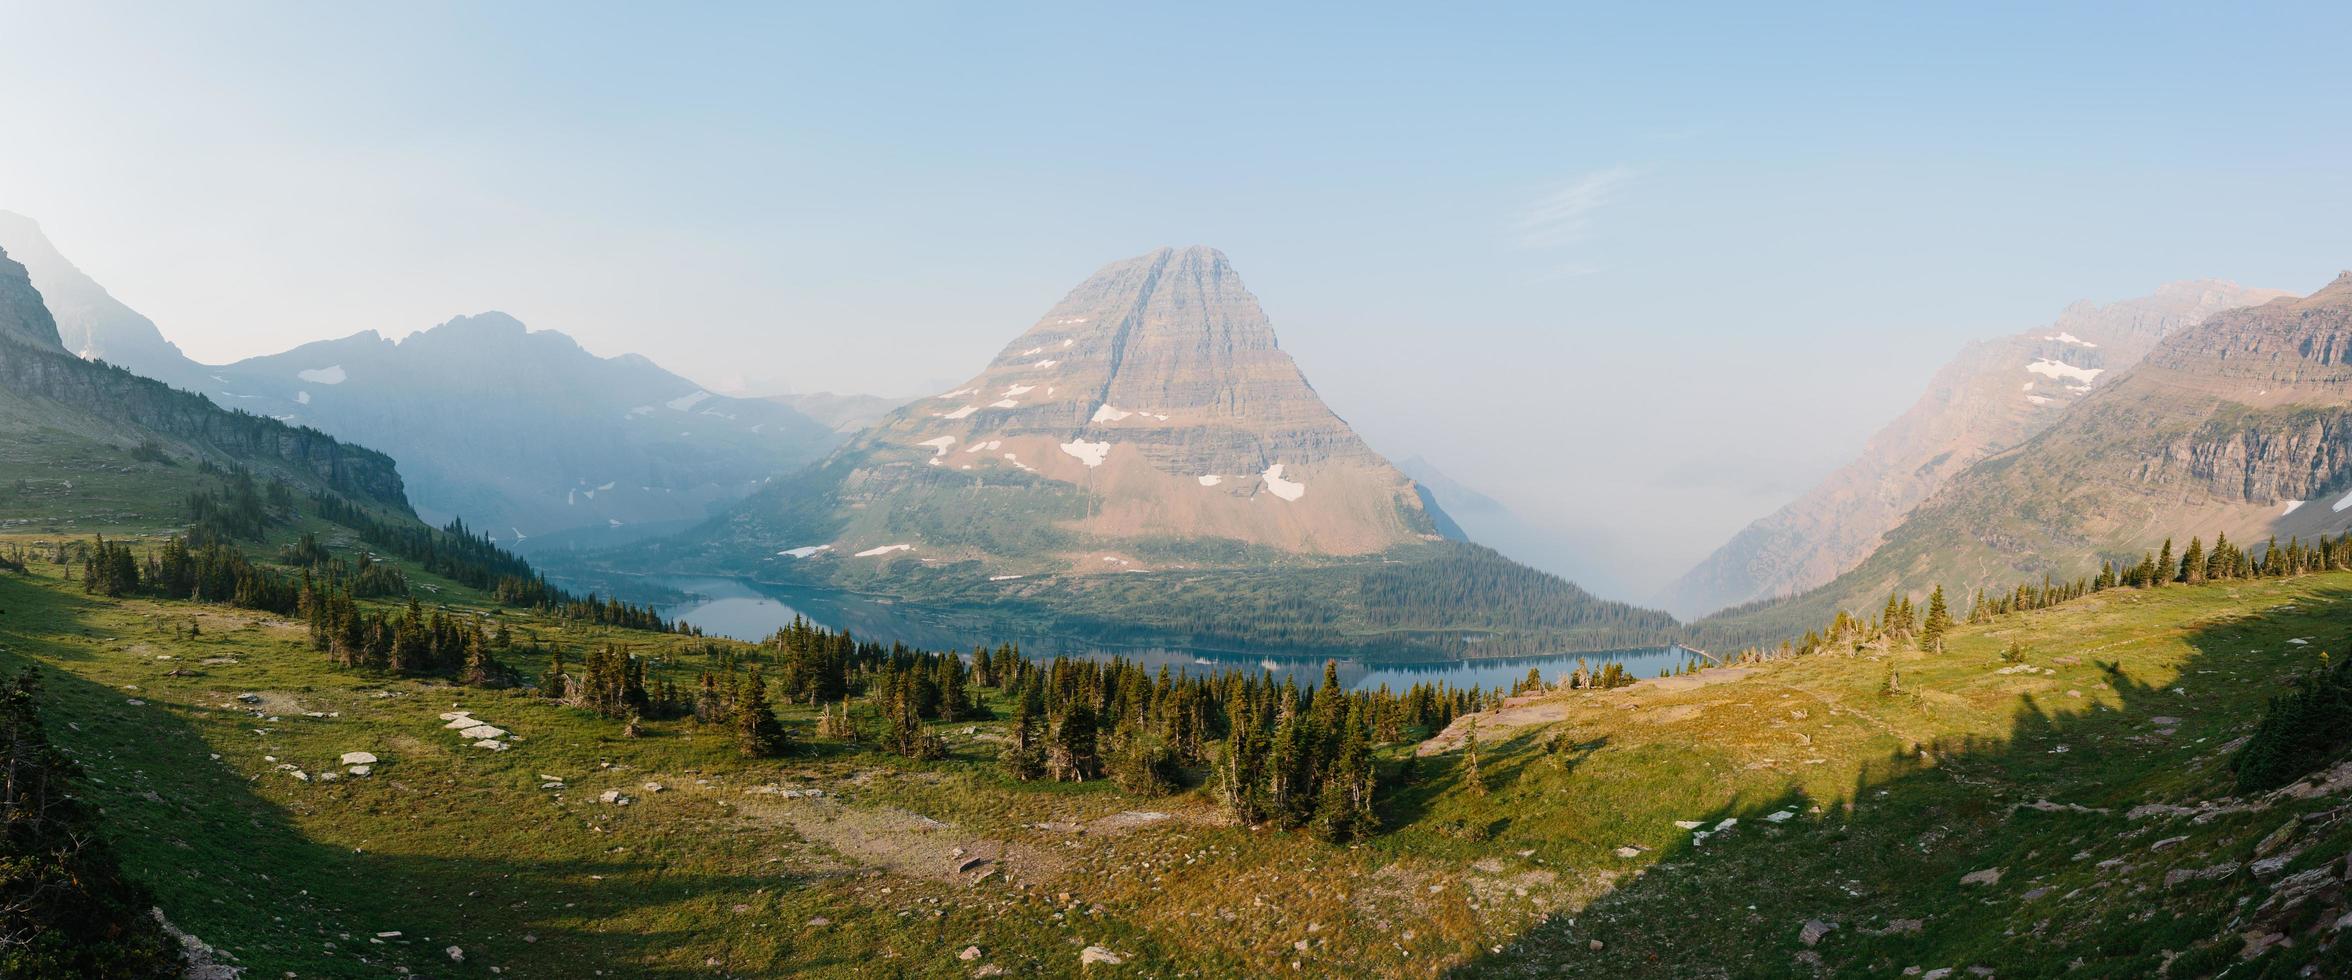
[24, 319]
[1994, 396]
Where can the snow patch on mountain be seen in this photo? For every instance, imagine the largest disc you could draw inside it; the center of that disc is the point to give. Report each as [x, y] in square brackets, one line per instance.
[330, 375]
[1090, 453]
[884, 550]
[2060, 369]
[684, 402]
[1285, 489]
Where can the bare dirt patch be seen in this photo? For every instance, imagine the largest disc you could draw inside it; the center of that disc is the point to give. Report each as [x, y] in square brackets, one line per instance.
[902, 841]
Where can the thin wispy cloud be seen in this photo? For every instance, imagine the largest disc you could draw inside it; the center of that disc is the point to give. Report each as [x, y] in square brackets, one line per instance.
[1565, 216]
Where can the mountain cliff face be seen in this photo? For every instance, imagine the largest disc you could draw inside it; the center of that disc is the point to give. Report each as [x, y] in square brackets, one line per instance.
[2241, 425]
[523, 433]
[23, 318]
[91, 322]
[56, 407]
[1152, 402]
[1995, 395]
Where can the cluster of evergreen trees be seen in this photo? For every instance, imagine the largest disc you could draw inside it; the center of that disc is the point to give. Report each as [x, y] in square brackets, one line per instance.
[1292, 758]
[1901, 623]
[412, 643]
[243, 508]
[457, 553]
[1300, 760]
[204, 570]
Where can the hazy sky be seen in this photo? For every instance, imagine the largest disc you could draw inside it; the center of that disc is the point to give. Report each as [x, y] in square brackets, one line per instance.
[1642, 275]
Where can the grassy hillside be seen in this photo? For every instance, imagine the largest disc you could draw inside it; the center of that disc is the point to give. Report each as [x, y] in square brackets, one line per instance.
[2128, 712]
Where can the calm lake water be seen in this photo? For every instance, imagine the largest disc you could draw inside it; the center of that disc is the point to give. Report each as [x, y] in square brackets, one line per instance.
[751, 611]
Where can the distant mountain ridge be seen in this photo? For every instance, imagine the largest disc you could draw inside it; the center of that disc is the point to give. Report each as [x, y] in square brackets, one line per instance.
[522, 433]
[525, 433]
[1994, 396]
[73, 430]
[2241, 425]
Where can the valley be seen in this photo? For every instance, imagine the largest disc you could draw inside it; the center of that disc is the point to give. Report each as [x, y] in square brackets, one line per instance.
[1928, 827]
[748, 491]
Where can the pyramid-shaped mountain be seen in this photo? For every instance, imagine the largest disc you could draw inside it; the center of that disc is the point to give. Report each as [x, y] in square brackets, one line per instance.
[1149, 422]
[1155, 398]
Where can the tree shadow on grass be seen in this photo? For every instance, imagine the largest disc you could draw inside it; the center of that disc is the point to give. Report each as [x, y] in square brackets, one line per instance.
[242, 872]
[1898, 873]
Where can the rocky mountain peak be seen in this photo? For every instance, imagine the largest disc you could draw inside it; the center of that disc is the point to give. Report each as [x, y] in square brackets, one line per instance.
[2336, 293]
[1157, 391]
[90, 321]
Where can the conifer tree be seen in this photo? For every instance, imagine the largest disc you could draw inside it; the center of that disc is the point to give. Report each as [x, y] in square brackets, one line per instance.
[1939, 622]
[551, 684]
[1071, 755]
[757, 732]
[1024, 756]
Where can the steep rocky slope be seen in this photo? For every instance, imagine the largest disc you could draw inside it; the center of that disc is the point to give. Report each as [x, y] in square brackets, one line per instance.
[65, 422]
[2241, 425]
[91, 322]
[1995, 395]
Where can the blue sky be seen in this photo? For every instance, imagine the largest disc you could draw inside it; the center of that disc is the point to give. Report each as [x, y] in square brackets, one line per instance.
[1642, 274]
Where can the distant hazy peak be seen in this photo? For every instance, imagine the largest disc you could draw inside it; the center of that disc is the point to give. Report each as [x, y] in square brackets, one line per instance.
[1995, 395]
[90, 321]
